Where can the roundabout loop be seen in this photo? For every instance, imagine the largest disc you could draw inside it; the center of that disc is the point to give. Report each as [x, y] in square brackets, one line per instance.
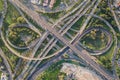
[109, 43]
[115, 42]
[17, 47]
[110, 26]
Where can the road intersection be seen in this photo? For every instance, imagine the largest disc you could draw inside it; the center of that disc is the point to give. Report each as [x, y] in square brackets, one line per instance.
[58, 36]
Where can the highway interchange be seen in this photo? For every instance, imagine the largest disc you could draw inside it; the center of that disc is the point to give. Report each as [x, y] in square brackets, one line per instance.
[58, 36]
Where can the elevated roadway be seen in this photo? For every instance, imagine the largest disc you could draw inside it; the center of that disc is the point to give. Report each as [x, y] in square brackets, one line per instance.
[79, 13]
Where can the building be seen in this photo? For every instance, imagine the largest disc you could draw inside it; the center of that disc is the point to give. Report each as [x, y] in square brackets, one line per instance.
[117, 3]
[3, 77]
[49, 3]
[45, 3]
[52, 3]
[36, 1]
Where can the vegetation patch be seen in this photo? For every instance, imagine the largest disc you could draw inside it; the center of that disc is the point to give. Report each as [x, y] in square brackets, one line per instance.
[116, 64]
[22, 36]
[52, 73]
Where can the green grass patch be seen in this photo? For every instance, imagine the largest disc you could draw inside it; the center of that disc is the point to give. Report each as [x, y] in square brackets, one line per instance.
[1, 5]
[105, 59]
[95, 40]
[79, 23]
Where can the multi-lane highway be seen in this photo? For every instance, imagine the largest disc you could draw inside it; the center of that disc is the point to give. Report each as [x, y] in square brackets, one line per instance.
[114, 14]
[6, 64]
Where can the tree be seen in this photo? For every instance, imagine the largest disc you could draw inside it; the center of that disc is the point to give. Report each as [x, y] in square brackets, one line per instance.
[0, 60]
[12, 25]
[21, 20]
